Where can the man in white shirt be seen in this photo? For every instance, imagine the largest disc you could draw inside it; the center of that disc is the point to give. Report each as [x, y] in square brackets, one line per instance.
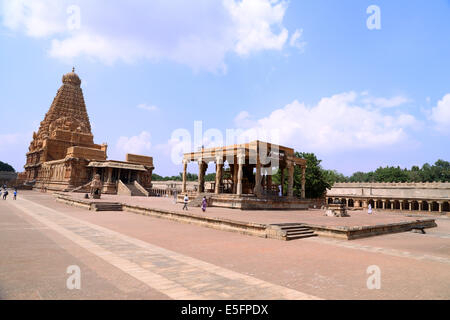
[186, 200]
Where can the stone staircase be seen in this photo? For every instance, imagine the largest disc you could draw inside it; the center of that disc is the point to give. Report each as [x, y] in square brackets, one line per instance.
[135, 192]
[292, 231]
[85, 188]
[106, 206]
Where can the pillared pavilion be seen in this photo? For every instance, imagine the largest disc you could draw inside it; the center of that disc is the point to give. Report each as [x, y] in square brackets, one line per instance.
[247, 182]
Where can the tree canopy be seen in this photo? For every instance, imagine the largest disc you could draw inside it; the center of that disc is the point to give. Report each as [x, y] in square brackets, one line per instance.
[317, 179]
[439, 172]
[6, 167]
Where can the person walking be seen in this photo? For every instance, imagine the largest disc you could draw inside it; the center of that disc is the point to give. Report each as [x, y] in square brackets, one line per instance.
[5, 194]
[204, 204]
[369, 210]
[15, 194]
[186, 200]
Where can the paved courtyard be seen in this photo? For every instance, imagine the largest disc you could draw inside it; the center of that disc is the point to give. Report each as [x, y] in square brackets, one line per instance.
[123, 255]
[313, 216]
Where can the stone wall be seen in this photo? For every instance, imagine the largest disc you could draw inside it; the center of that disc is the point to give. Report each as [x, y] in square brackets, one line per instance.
[433, 190]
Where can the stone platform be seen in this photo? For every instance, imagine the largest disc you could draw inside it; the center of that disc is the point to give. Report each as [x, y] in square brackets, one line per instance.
[263, 223]
[251, 202]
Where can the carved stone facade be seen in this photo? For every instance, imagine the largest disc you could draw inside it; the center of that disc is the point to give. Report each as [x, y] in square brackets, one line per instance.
[63, 148]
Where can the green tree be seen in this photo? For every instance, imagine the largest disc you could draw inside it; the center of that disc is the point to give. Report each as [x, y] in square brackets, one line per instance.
[358, 177]
[6, 167]
[332, 176]
[317, 180]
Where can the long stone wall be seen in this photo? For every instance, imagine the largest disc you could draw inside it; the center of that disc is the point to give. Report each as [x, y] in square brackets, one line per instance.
[429, 196]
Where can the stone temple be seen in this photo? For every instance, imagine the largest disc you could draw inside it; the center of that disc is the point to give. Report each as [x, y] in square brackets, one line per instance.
[63, 156]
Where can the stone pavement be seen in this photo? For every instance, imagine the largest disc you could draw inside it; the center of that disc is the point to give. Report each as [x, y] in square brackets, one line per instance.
[34, 258]
[314, 216]
[175, 275]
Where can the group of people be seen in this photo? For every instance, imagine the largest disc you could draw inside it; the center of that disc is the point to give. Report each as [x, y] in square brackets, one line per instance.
[5, 193]
[186, 201]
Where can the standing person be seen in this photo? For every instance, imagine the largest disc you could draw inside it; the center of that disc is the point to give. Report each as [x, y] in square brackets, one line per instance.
[204, 204]
[5, 194]
[369, 210]
[15, 194]
[175, 195]
[186, 200]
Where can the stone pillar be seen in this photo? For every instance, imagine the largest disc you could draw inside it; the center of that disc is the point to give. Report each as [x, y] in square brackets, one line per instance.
[410, 205]
[257, 189]
[429, 206]
[375, 204]
[235, 175]
[401, 204]
[201, 176]
[183, 187]
[303, 182]
[357, 203]
[269, 179]
[219, 167]
[365, 204]
[109, 175]
[240, 174]
[282, 180]
[440, 206]
[420, 205]
[290, 179]
[384, 204]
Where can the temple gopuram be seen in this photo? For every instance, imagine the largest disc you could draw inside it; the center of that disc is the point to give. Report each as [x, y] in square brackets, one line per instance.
[63, 156]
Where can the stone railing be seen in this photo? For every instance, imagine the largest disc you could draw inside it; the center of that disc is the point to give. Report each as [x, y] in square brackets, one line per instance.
[141, 188]
[122, 189]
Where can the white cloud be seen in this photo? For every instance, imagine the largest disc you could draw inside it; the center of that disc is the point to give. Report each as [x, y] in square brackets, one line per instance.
[139, 144]
[441, 114]
[147, 107]
[340, 122]
[242, 120]
[253, 23]
[34, 18]
[198, 34]
[385, 102]
[295, 40]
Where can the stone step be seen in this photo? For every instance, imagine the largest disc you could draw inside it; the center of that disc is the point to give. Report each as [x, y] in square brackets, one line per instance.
[107, 207]
[135, 191]
[299, 227]
[294, 232]
[294, 237]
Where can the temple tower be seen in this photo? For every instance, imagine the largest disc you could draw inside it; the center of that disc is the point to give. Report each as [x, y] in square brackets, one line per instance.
[66, 124]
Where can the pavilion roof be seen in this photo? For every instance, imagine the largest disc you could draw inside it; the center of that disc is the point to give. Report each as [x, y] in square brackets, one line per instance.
[246, 149]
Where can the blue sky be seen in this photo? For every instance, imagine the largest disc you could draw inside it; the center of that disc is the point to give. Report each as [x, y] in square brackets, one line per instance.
[307, 74]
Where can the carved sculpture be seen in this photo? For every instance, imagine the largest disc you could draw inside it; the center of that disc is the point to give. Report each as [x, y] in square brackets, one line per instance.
[337, 209]
[96, 187]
